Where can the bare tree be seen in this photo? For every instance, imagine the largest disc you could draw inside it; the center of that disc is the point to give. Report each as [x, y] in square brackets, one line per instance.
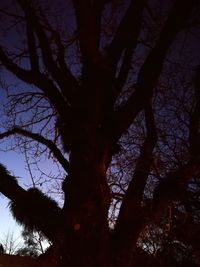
[10, 243]
[110, 91]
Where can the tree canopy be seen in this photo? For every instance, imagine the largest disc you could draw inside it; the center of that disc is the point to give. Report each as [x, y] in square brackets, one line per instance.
[109, 91]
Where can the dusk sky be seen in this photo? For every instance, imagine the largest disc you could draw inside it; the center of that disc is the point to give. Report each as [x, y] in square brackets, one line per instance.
[7, 223]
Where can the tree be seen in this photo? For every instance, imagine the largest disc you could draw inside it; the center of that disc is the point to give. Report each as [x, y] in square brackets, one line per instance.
[10, 243]
[28, 244]
[33, 244]
[108, 90]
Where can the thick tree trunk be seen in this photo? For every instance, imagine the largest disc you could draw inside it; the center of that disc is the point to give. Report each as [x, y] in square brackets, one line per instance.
[87, 198]
[85, 238]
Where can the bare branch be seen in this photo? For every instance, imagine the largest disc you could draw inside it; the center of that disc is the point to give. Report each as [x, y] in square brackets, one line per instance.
[126, 34]
[151, 69]
[32, 48]
[38, 79]
[173, 186]
[131, 216]
[195, 119]
[124, 71]
[39, 138]
[65, 80]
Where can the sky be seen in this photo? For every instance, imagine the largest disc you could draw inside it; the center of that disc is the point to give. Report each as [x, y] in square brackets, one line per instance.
[14, 163]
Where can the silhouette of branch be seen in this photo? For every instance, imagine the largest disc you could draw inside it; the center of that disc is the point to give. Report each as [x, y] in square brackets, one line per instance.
[38, 79]
[174, 185]
[63, 78]
[32, 47]
[39, 138]
[195, 118]
[151, 69]
[89, 25]
[126, 35]
[30, 208]
[131, 217]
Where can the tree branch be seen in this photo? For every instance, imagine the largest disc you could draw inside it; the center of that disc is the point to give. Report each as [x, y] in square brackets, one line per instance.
[72, 86]
[173, 186]
[23, 202]
[39, 138]
[88, 15]
[151, 69]
[127, 33]
[131, 216]
[32, 47]
[9, 186]
[63, 79]
[39, 80]
[124, 70]
[194, 136]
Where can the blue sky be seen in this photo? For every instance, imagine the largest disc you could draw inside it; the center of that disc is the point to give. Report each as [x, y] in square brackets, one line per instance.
[14, 163]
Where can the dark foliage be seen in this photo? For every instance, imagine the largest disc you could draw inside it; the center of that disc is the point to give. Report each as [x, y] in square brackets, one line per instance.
[37, 212]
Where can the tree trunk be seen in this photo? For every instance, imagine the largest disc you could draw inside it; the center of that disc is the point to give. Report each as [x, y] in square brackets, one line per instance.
[86, 235]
